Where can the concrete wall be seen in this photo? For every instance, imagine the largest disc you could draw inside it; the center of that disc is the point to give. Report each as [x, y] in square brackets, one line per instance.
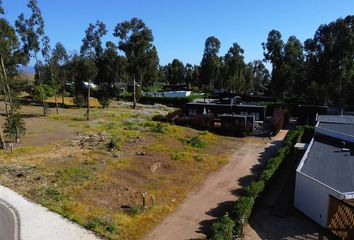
[312, 198]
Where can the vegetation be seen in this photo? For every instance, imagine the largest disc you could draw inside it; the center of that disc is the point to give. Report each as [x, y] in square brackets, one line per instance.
[94, 172]
[223, 229]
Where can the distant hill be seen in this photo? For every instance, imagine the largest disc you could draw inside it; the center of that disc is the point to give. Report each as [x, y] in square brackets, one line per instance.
[24, 69]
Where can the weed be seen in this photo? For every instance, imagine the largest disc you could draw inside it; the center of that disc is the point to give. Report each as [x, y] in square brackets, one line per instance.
[195, 142]
[102, 222]
[176, 156]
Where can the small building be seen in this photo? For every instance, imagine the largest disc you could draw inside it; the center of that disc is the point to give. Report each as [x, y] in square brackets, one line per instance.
[324, 189]
[168, 94]
[198, 108]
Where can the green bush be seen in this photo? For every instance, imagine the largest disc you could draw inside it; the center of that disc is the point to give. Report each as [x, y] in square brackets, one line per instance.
[158, 127]
[243, 207]
[104, 223]
[255, 188]
[42, 91]
[223, 229]
[176, 156]
[195, 142]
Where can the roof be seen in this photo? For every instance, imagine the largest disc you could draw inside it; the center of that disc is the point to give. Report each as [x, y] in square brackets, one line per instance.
[227, 105]
[327, 163]
[338, 127]
[343, 119]
[326, 160]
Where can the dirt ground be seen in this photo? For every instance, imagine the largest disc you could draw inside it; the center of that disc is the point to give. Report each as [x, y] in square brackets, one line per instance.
[194, 217]
[65, 164]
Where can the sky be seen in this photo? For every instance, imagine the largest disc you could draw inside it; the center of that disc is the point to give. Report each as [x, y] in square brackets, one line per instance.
[181, 27]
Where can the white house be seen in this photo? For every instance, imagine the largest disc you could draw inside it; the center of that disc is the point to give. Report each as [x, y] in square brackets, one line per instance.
[326, 171]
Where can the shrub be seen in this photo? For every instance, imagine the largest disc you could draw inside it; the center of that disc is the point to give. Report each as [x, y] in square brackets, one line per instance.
[223, 229]
[103, 222]
[176, 156]
[254, 189]
[158, 127]
[14, 126]
[42, 91]
[53, 193]
[195, 142]
[243, 207]
[79, 100]
[113, 145]
[135, 210]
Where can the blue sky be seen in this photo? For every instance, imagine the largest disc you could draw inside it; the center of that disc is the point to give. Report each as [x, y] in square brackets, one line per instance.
[181, 27]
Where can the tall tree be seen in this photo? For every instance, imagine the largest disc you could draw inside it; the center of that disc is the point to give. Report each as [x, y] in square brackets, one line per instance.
[210, 64]
[31, 32]
[175, 72]
[261, 76]
[59, 60]
[136, 41]
[92, 50]
[235, 69]
[10, 56]
[273, 53]
[293, 68]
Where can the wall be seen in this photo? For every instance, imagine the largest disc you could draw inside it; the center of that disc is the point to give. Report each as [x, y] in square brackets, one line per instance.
[312, 198]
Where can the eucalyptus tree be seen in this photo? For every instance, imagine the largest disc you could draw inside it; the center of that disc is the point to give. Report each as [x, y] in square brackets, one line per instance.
[235, 69]
[59, 59]
[175, 72]
[10, 56]
[91, 50]
[136, 41]
[274, 53]
[47, 55]
[31, 32]
[210, 64]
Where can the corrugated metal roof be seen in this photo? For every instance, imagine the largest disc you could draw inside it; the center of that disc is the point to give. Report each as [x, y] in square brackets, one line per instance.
[327, 163]
[343, 119]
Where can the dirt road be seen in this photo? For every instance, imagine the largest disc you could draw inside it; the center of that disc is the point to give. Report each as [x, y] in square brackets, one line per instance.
[192, 219]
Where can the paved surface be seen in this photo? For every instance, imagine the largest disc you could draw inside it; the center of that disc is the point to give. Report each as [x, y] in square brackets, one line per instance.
[8, 223]
[193, 218]
[39, 223]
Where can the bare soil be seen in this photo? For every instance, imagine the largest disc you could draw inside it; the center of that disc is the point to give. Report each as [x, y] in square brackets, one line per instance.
[193, 218]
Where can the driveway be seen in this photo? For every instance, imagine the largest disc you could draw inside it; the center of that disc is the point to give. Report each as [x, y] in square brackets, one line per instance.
[8, 223]
[193, 218]
[36, 221]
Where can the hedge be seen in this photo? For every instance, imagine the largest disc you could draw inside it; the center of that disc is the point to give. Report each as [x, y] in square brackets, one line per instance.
[223, 228]
[244, 205]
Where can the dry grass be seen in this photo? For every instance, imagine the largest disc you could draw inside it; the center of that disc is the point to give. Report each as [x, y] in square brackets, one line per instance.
[93, 185]
[69, 101]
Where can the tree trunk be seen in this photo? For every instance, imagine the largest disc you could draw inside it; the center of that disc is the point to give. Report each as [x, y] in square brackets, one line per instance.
[3, 146]
[88, 101]
[7, 87]
[62, 99]
[134, 94]
[55, 90]
[40, 85]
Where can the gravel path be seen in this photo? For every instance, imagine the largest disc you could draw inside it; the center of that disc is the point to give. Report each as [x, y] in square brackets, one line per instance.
[39, 223]
[192, 219]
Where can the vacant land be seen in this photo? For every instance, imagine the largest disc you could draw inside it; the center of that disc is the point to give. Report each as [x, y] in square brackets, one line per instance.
[216, 196]
[94, 172]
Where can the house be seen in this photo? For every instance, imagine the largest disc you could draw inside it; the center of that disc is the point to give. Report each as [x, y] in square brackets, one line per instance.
[324, 189]
[245, 109]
